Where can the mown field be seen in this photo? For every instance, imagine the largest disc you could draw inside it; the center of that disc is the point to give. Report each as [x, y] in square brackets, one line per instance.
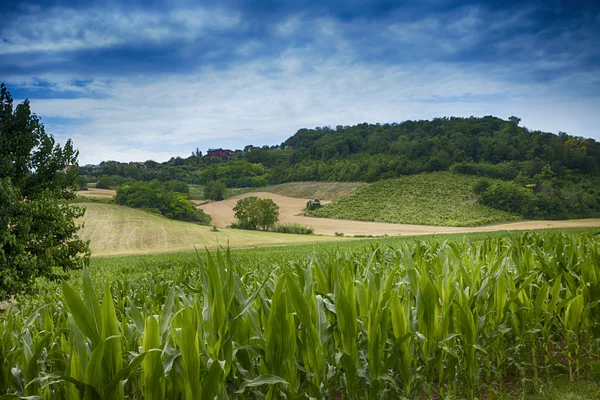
[438, 198]
[300, 190]
[120, 230]
[464, 316]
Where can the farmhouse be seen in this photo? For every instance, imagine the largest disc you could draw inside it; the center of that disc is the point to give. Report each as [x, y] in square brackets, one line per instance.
[220, 152]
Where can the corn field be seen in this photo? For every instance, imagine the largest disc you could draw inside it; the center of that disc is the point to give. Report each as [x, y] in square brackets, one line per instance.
[434, 319]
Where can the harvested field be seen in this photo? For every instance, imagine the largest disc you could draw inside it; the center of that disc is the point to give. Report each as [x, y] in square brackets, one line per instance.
[292, 208]
[119, 230]
[97, 193]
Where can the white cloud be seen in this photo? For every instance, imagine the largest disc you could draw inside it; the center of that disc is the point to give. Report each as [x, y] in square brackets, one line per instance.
[138, 119]
[63, 29]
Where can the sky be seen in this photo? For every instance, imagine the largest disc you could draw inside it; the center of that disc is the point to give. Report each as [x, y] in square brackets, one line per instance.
[140, 80]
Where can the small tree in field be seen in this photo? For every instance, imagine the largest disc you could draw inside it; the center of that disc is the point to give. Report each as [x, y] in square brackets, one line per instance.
[38, 232]
[254, 213]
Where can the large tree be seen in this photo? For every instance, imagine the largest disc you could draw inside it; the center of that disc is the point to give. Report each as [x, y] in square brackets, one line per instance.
[254, 213]
[38, 228]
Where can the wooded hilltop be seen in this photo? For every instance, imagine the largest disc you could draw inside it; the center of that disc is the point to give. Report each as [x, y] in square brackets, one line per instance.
[544, 175]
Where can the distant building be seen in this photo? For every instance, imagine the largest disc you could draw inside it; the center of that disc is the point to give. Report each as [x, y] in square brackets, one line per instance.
[220, 152]
[312, 204]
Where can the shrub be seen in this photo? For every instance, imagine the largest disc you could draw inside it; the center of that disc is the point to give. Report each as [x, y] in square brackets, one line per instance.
[481, 185]
[293, 228]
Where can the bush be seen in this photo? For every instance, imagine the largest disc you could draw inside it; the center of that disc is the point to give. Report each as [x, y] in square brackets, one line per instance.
[294, 228]
[481, 185]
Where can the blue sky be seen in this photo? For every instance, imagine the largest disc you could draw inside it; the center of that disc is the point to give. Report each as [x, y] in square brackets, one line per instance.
[151, 80]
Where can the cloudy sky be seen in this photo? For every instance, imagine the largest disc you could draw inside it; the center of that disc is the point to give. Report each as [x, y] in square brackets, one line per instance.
[148, 80]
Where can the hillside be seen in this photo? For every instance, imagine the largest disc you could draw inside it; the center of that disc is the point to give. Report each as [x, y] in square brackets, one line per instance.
[438, 198]
[299, 190]
[548, 176]
[119, 230]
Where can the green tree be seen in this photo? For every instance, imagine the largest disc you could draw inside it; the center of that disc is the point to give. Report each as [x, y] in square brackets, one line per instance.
[38, 232]
[157, 197]
[214, 190]
[254, 213]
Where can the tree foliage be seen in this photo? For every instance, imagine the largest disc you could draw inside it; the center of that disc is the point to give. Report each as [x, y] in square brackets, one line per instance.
[159, 197]
[214, 190]
[38, 229]
[255, 213]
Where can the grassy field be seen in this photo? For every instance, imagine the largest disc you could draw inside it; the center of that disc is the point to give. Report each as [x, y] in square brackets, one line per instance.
[119, 230]
[300, 190]
[392, 318]
[439, 198]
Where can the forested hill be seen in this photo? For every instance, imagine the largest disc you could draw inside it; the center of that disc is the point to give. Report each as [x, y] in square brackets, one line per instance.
[370, 152]
[542, 175]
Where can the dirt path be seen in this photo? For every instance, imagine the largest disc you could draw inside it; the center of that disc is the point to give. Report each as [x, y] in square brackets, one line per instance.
[289, 208]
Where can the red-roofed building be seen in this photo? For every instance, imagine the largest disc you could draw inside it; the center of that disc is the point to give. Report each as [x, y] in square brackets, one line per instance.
[220, 152]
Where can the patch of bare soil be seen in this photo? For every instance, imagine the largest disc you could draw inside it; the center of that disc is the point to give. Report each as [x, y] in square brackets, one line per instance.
[290, 210]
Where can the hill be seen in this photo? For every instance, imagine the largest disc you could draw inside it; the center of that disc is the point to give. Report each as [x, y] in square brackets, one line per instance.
[299, 190]
[119, 230]
[438, 198]
[549, 176]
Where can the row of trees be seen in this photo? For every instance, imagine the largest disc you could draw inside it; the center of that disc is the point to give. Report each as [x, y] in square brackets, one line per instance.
[369, 152]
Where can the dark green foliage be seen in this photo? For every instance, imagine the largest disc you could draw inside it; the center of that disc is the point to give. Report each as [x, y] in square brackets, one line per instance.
[239, 173]
[255, 213]
[508, 197]
[38, 232]
[105, 182]
[156, 197]
[214, 190]
[505, 170]
[481, 185]
[546, 199]
[296, 229]
[82, 183]
[177, 186]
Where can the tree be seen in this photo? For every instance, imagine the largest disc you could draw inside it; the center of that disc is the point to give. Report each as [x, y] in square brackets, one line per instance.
[254, 213]
[38, 232]
[214, 190]
[160, 198]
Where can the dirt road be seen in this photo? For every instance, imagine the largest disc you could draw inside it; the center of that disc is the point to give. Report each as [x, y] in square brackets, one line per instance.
[290, 208]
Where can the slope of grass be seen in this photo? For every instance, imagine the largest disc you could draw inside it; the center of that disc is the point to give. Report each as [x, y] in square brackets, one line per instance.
[119, 230]
[438, 198]
[315, 190]
[299, 190]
